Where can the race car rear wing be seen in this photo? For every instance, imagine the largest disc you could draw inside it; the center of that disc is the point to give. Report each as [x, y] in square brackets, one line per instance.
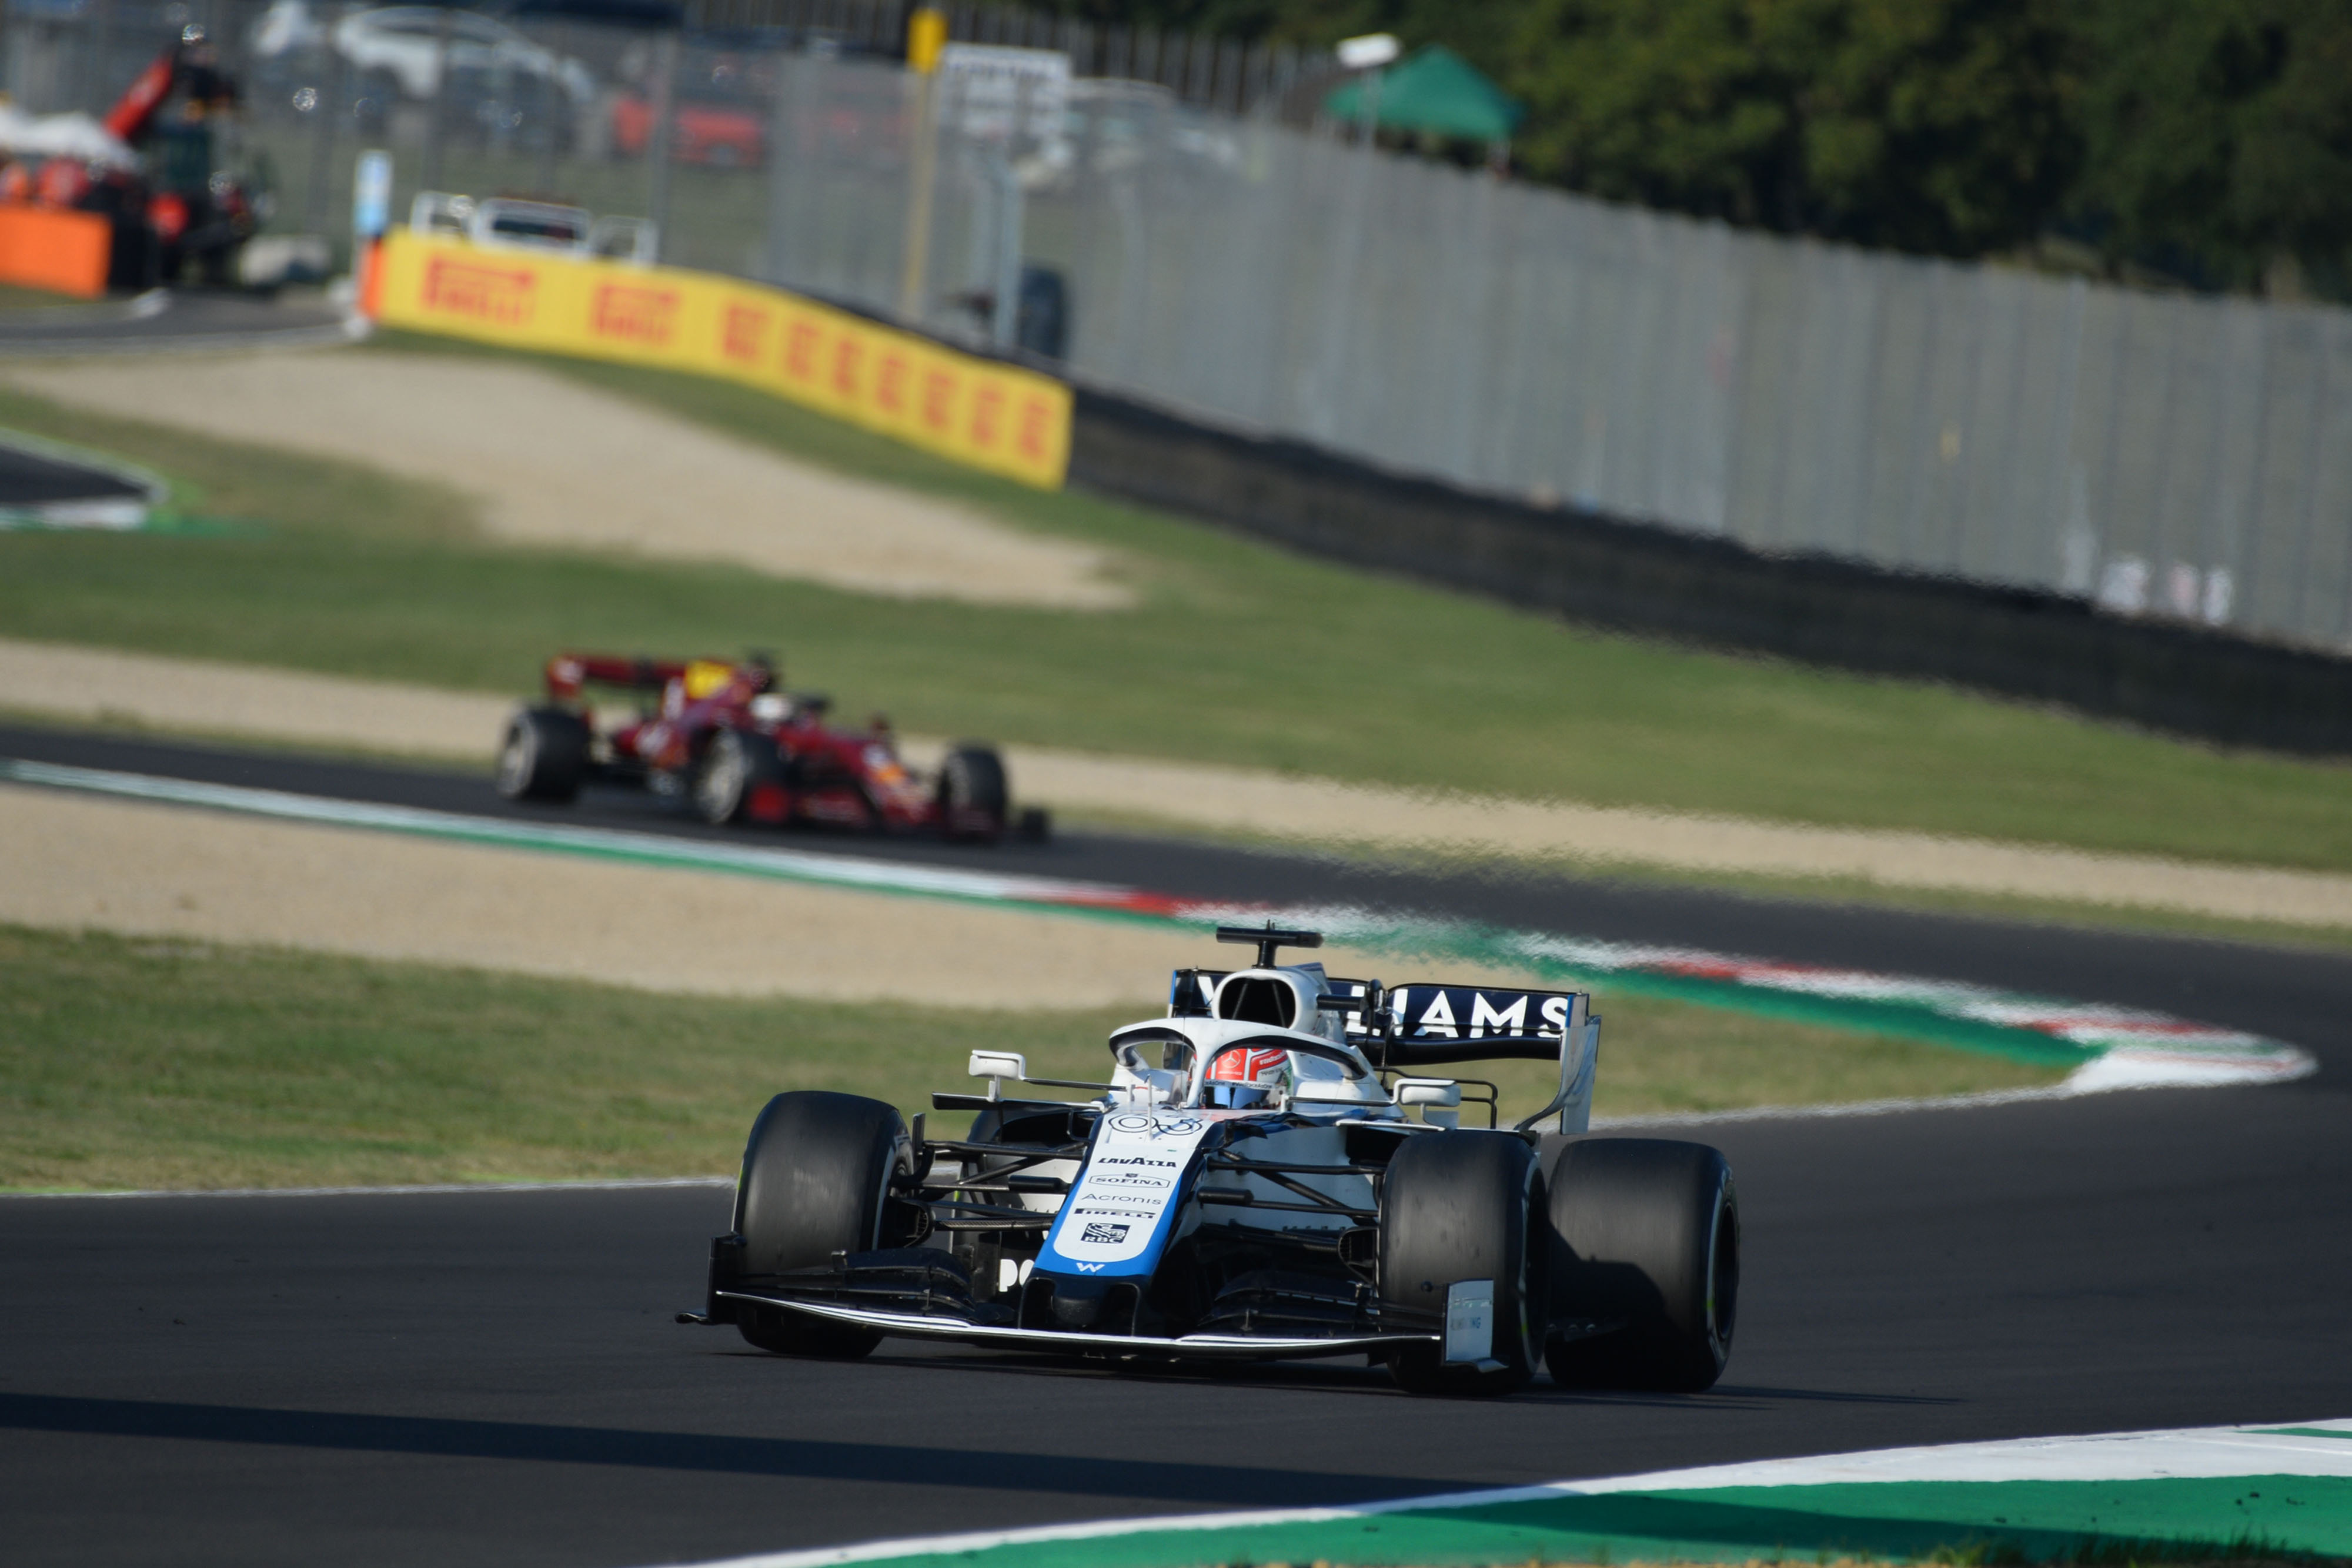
[1407, 1028]
[1414, 1026]
[567, 674]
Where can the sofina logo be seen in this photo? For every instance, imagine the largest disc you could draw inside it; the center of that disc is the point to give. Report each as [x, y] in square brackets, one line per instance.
[502, 295]
[647, 316]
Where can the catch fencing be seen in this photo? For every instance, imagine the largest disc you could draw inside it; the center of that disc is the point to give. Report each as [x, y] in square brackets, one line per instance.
[2162, 455]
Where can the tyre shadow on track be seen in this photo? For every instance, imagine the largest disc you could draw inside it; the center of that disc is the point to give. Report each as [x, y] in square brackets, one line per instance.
[1160, 1481]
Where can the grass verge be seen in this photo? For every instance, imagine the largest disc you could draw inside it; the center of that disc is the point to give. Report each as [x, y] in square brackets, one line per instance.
[130, 1063]
[1239, 653]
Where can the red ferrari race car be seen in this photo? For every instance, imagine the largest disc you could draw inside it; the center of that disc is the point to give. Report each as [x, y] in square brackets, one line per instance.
[724, 736]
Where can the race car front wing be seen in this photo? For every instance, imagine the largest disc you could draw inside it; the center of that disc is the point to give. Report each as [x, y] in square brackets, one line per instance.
[1193, 1346]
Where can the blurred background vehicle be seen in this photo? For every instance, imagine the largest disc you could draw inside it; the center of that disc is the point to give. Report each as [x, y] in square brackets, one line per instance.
[721, 100]
[499, 80]
[180, 196]
[533, 226]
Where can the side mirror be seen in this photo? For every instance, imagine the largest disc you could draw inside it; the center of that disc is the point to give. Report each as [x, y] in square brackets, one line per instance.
[1439, 1098]
[1155, 1086]
[996, 1066]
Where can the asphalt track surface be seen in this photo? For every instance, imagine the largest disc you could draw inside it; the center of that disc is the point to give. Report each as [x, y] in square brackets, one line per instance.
[495, 1377]
[168, 321]
[30, 478]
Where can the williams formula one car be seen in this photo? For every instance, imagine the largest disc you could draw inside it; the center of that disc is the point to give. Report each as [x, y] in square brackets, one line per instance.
[1253, 1184]
[724, 736]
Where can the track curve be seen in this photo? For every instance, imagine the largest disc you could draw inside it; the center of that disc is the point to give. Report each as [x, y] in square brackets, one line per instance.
[167, 321]
[493, 1376]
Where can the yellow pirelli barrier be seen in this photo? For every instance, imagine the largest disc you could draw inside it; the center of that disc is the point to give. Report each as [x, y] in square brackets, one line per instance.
[998, 417]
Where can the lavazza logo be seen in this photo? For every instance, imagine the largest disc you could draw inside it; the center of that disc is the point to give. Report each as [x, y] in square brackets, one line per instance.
[1105, 1235]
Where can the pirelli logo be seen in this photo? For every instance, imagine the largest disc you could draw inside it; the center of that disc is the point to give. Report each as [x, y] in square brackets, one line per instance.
[501, 296]
[745, 335]
[648, 316]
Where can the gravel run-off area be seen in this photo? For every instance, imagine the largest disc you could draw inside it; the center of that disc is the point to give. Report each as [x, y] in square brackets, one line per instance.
[150, 869]
[89, 684]
[552, 462]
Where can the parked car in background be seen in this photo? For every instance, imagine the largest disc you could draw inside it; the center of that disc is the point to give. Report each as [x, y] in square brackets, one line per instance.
[497, 76]
[718, 115]
[519, 223]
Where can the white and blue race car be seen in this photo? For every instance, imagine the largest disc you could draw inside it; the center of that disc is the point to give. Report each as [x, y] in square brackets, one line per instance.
[1270, 1172]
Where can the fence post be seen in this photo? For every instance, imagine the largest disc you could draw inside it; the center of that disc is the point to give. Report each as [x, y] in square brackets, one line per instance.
[2057, 497]
[926, 36]
[658, 141]
[328, 107]
[444, 21]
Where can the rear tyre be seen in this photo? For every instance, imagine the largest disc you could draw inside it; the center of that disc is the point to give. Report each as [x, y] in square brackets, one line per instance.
[973, 799]
[817, 1178]
[1458, 1206]
[543, 756]
[733, 765]
[1646, 1234]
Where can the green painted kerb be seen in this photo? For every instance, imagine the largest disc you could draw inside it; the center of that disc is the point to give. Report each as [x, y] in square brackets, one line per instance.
[1900, 1521]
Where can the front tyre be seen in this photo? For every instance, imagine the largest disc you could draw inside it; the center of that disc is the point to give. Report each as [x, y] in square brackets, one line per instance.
[732, 766]
[973, 799]
[543, 756]
[1646, 1238]
[817, 1178]
[1458, 1208]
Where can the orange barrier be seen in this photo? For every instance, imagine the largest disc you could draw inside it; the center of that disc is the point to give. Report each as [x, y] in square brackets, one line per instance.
[43, 247]
[994, 416]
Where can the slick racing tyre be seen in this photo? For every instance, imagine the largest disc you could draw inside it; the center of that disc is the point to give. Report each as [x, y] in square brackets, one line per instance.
[817, 1178]
[544, 755]
[973, 799]
[1458, 1208]
[1646, 1236]
[732, 765]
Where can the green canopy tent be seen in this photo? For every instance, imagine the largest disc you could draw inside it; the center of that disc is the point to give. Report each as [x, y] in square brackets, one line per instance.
[1435, 93]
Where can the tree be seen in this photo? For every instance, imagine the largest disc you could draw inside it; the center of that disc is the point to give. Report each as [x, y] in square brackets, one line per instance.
[2220, 132]
[1938, 126]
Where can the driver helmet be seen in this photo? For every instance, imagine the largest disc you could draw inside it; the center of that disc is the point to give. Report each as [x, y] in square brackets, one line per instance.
[707, 678]
[1248, 1078]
